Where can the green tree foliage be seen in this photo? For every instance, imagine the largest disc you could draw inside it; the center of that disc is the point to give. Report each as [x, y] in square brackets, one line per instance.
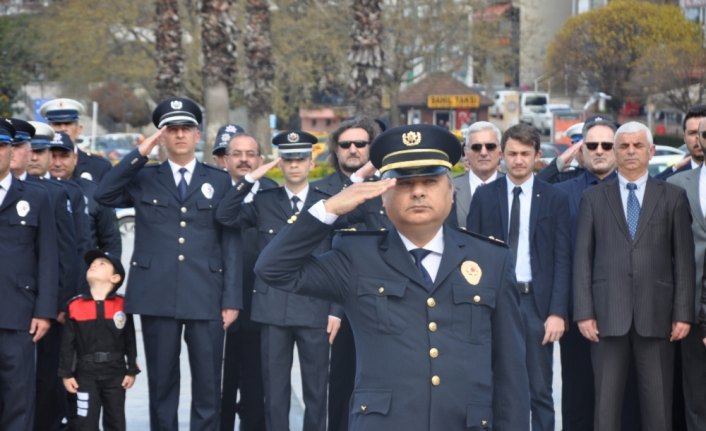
[92, 41]
[601, 48]
[18, 66]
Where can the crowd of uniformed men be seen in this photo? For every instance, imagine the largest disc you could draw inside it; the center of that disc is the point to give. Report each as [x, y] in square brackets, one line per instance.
[416, 301]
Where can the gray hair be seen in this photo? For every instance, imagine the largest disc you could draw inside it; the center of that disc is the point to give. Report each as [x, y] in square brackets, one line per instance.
[633, 127]
[479, 126]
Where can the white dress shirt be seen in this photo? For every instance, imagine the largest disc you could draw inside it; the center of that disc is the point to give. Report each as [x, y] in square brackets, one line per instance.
[475, 182]
[301, 195]
[702, 191]
[523, 265]
[5, 186]
[431, 261]
[187, 175]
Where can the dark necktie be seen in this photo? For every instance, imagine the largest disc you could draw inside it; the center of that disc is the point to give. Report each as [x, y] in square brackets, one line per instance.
[513, 236]
[182, 186]
[295, 200]
[633, 210]
[419, 254]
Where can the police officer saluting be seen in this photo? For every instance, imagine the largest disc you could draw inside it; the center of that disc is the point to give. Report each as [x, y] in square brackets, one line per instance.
[181, 275]
[434, 310]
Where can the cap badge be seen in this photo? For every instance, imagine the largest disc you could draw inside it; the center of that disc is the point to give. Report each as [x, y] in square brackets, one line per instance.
[207, 190]
[471, 272]
[411, 139]
[225, 137]
[119, 319]
[293, 137]
[176, 104]
[231, 129]
[56, 140]
[22, 208]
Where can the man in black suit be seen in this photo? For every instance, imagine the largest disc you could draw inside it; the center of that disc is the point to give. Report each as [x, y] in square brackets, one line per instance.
[531, 216]
[690, 127]
[242, 369]
[286, 318]
[434, 310]
[349, 150]
[633, 279]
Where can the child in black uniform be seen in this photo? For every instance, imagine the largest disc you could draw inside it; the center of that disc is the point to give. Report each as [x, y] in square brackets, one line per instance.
[98, 350]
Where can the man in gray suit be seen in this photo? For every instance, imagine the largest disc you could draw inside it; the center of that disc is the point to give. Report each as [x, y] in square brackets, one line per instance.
[481, 157]
[693, 353]
[633, 282]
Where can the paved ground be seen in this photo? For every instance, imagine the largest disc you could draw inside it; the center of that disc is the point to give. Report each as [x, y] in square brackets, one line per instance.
[137, 405]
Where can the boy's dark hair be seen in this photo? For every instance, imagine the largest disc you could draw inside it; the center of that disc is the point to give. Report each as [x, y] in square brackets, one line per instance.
[524, 133]
[92, 255]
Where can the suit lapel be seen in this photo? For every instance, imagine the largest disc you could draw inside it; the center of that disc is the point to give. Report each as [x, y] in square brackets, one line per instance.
[615, 203]
[397, 257]
[12, 194]
[501, 189]
[463, 193]
[537, 191]
[198, 178]
[653, 193]
[166, 178]
[452, 257]
[693, 191]
[284, 203]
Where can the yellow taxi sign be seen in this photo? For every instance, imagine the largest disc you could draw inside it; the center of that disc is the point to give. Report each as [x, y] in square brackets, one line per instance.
[451, 101]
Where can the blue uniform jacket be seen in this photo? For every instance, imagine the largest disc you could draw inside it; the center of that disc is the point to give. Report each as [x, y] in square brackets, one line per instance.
[183, 262]
[29, 279]
[550, 241]
[269, 212]
[452, 359]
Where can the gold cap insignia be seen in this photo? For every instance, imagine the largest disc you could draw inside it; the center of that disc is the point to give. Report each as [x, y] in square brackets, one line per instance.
[411, 138]
[471, 272]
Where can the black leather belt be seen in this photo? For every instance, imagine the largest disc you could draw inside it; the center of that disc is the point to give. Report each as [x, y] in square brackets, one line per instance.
[101, 357]
[525, 287]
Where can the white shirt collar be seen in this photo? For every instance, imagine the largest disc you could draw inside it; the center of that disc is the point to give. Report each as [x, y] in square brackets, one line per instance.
[640, 182]
[301, 195]
[189, 167]
[436, 245]
[476, 181]
[6, 182]
[526, 186]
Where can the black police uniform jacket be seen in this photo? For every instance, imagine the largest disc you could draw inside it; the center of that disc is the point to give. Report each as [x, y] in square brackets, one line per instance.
[100, 337]
[183, 262]
[269, 212]
[91, 167]
[452, 359]
[28, 252]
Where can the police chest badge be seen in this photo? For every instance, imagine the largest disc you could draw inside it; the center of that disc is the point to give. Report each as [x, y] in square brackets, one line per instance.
[471, 272]
[87, 176]
[207, 190]
[119, 319]
[22, 208]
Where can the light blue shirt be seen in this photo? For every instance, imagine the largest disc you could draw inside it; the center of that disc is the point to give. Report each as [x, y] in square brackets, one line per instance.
[639, 192]
[187, 175]
[523, 265]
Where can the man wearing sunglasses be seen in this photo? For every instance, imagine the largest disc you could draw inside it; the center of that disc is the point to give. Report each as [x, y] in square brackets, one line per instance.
[691, 349]
[576, 375]
[693, 143]
[481, 158]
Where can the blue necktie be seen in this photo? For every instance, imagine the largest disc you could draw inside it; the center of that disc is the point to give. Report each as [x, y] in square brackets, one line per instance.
[182, 186]
[295, 207]
[633, 210]
[419, 254]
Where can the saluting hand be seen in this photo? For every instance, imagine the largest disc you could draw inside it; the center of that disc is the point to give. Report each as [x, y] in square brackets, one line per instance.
[145, 147]
[349, 198]
[366, 171]
[263, 169]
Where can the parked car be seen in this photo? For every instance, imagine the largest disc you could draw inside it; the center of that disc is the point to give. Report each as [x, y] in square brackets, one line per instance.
[660, 163]
[666, 150]
[114, 146]
[542, 117]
